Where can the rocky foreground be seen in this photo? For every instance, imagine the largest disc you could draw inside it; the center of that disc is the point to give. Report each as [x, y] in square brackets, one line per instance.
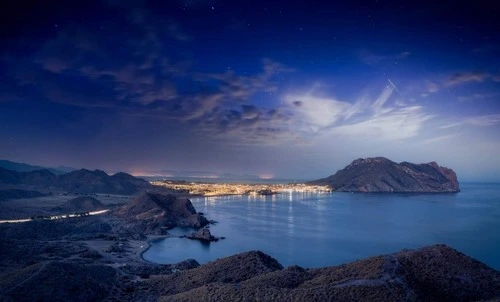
[379, 174]
[434, 273]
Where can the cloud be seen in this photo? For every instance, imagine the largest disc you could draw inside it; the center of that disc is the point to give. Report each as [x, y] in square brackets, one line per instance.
[438, 139]
[456, 79]
[376, 119]
[465, 77]
[478, 121]
[431, 87]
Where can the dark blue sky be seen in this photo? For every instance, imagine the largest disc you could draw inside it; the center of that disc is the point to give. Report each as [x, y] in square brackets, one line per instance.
[293, 89]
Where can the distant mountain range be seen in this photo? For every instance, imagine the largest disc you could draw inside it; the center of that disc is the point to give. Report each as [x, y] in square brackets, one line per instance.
[380, 174]
[79, 181]
[22, 167]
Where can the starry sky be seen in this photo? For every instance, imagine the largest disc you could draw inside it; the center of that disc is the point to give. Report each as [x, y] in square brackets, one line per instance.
[283, 89]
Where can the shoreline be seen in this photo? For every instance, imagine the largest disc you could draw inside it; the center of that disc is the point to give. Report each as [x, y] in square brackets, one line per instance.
[148, 243]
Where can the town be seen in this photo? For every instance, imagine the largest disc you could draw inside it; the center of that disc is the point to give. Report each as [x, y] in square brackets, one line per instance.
[219, 189]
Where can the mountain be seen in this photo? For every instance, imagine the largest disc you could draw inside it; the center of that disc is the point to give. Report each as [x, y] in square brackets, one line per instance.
[379, 174]
[79, 181]
[22, 167]
[152, 213]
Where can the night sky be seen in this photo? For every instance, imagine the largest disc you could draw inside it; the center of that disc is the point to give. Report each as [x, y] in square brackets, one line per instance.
[284, 89]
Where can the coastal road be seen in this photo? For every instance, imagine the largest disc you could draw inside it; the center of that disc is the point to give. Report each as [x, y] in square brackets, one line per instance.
[55, 217]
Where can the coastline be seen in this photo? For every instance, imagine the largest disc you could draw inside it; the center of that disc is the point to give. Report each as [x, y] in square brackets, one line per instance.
[148, 242]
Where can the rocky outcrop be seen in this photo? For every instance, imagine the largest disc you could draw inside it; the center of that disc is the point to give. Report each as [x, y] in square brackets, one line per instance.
[434, 273]
[203, 235]
[382, 175]
[152, 213]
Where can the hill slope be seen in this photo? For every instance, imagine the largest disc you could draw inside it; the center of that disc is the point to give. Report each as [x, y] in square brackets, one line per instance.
[379, 174]
[81, 204]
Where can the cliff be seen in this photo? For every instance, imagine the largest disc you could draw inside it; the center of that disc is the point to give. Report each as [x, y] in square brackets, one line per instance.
[379, 174]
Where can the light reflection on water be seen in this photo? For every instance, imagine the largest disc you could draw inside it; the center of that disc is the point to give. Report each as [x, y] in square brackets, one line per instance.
[314, 230]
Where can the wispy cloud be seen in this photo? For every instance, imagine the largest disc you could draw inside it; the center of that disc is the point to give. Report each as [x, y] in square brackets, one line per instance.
[456, 79]
[477, 96]
[431, 87]
[438, 139]
[479, 121]
[466, 77]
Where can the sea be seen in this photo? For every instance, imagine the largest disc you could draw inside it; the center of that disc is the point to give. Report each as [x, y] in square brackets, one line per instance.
[326, 229]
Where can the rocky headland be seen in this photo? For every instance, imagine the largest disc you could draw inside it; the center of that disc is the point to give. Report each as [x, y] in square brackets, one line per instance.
[155, 214]
[380, 174]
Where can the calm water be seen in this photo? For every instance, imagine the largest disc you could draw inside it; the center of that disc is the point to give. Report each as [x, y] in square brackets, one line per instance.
[313, 230]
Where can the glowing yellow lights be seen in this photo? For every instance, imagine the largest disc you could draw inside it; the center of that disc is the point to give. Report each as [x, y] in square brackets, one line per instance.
[218, 189]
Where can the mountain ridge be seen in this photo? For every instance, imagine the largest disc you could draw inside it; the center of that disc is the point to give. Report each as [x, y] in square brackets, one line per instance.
[78, 181]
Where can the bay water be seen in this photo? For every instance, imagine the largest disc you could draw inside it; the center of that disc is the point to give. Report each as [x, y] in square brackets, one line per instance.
[325, 229]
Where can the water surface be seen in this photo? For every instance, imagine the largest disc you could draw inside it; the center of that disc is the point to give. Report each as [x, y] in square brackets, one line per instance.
[313, 230]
